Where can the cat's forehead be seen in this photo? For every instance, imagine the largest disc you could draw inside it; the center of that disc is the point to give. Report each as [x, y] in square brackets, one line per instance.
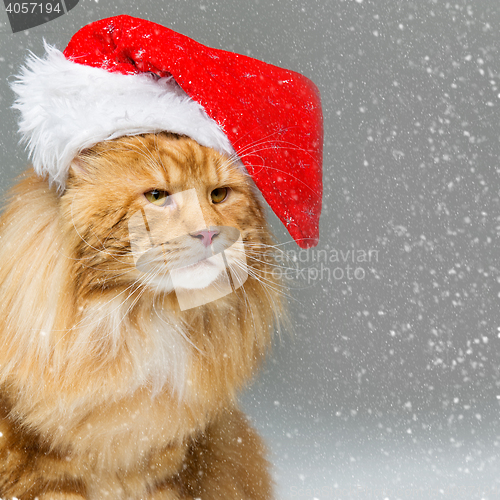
[183, 161]
[165, 161]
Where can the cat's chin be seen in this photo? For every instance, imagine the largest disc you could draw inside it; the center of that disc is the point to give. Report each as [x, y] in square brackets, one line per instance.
[197, 276]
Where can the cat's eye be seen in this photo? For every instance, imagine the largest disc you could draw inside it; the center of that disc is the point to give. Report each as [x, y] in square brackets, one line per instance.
[156, 196]
[219, 195]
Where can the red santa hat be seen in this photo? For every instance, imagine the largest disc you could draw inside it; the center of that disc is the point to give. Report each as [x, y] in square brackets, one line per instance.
[126, 76]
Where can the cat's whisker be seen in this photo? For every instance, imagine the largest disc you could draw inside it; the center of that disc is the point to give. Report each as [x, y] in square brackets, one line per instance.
[271, 272]
[267, 258]
[97, 340]
[262, 140]
[277, 267]
[271, 143]
[135, 284]
[266, 245]
[266, 288]
[142, 291]
[182, 332]
[286, 174]
[267, 283]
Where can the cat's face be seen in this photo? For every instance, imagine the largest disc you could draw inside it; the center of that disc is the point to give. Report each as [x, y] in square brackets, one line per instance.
[163, 212]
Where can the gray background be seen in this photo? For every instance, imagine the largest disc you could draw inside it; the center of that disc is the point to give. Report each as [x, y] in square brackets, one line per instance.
[389, 386]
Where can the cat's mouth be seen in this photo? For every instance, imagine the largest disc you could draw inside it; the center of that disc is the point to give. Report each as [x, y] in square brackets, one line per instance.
[190, 251]
[200, 265]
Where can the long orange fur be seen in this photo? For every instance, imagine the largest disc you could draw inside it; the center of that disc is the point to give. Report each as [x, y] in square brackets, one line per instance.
[107, 388]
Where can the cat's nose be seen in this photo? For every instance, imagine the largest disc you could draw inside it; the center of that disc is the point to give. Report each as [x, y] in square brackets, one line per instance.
[206, 236]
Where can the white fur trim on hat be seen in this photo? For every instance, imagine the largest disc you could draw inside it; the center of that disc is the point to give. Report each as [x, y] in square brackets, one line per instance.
[67, 107]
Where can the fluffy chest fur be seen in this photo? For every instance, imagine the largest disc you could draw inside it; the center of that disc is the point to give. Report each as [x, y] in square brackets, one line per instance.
[109, 387]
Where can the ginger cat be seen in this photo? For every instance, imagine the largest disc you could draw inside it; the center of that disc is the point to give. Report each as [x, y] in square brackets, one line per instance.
[108, 387]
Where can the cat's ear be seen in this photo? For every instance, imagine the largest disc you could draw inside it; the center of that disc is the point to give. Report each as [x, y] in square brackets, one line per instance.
[78, 166]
